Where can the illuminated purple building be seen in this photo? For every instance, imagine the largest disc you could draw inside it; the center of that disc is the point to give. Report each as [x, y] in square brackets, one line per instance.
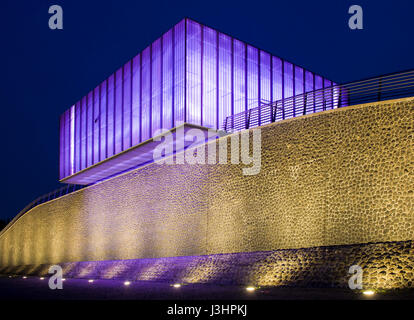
[192, 74]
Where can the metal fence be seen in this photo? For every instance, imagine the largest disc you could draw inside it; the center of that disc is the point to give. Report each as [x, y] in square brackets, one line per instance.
[44, 198]
[391, 86]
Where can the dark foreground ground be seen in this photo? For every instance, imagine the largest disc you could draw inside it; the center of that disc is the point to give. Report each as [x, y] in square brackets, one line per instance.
[32, 288]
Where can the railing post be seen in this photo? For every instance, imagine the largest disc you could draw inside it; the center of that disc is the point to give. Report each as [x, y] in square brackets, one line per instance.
[340, 97]
[305, 100]
[274, 112]
[248, 119]
[379, 88]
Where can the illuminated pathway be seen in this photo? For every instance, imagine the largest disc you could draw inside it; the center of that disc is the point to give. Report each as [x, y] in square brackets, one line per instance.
[82, 289]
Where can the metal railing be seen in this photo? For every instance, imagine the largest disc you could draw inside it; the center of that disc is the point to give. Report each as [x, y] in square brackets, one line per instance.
[44, 198]
[391, 86]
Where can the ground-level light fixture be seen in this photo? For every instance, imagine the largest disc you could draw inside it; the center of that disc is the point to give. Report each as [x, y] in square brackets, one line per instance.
[250, 289]
[90, 281]
[42, 278]
[127, 283]
[24, 277]
[177, 285]
[368, 292]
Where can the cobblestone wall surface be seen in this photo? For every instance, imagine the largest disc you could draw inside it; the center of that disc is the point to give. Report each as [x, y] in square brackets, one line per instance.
[339, 177]
[385, 266]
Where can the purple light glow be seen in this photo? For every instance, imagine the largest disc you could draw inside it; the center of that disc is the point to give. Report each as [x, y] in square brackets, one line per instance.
[191, 74]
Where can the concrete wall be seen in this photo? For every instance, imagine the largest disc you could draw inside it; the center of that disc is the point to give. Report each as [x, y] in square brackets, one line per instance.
[340, 177]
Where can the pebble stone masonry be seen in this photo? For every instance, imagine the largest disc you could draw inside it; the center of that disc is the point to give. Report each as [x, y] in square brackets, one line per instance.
[335, 189]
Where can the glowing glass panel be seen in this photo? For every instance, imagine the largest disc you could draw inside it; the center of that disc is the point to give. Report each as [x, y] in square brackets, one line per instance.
[192, 74]
[209, 78]
[126, 125]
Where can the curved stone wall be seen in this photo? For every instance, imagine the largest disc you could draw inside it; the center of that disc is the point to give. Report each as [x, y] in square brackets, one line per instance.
[339, 177]
[386, 265]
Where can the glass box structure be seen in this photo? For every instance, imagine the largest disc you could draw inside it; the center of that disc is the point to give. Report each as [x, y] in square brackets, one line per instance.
[192, 74]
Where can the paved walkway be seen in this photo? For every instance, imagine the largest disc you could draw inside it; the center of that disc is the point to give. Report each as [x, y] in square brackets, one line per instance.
[32, 288]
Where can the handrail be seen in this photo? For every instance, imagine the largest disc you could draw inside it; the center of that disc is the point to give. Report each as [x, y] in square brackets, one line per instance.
[42, 199]
[385, 87]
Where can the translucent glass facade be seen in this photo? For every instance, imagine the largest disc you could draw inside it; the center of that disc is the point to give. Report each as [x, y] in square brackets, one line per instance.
[192, 74]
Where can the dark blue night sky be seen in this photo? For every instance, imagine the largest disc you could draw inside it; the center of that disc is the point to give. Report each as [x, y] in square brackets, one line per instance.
[45, 71]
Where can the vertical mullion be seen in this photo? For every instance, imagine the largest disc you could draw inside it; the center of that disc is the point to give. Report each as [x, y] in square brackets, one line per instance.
[271, 79]
[64, 145]
[314, 93]
[86, 131]
[217, 83]
[245, 84]
[185, 70]
[114, 116]
[131, 119]
[99, 123]
[93, 127]
[283, 89]
[173, 79]
[201, 74]
[232, 82]
[67, 144]
[259, 98]
[75, 145]
[150, 93]
[122, 107]
[74, 139]
[161, 83]
[323, 95]
[140, 98]
[80, 136]
[61, 175]
[69, 141]
[106, 120]
[305, 100]
[294, 89]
